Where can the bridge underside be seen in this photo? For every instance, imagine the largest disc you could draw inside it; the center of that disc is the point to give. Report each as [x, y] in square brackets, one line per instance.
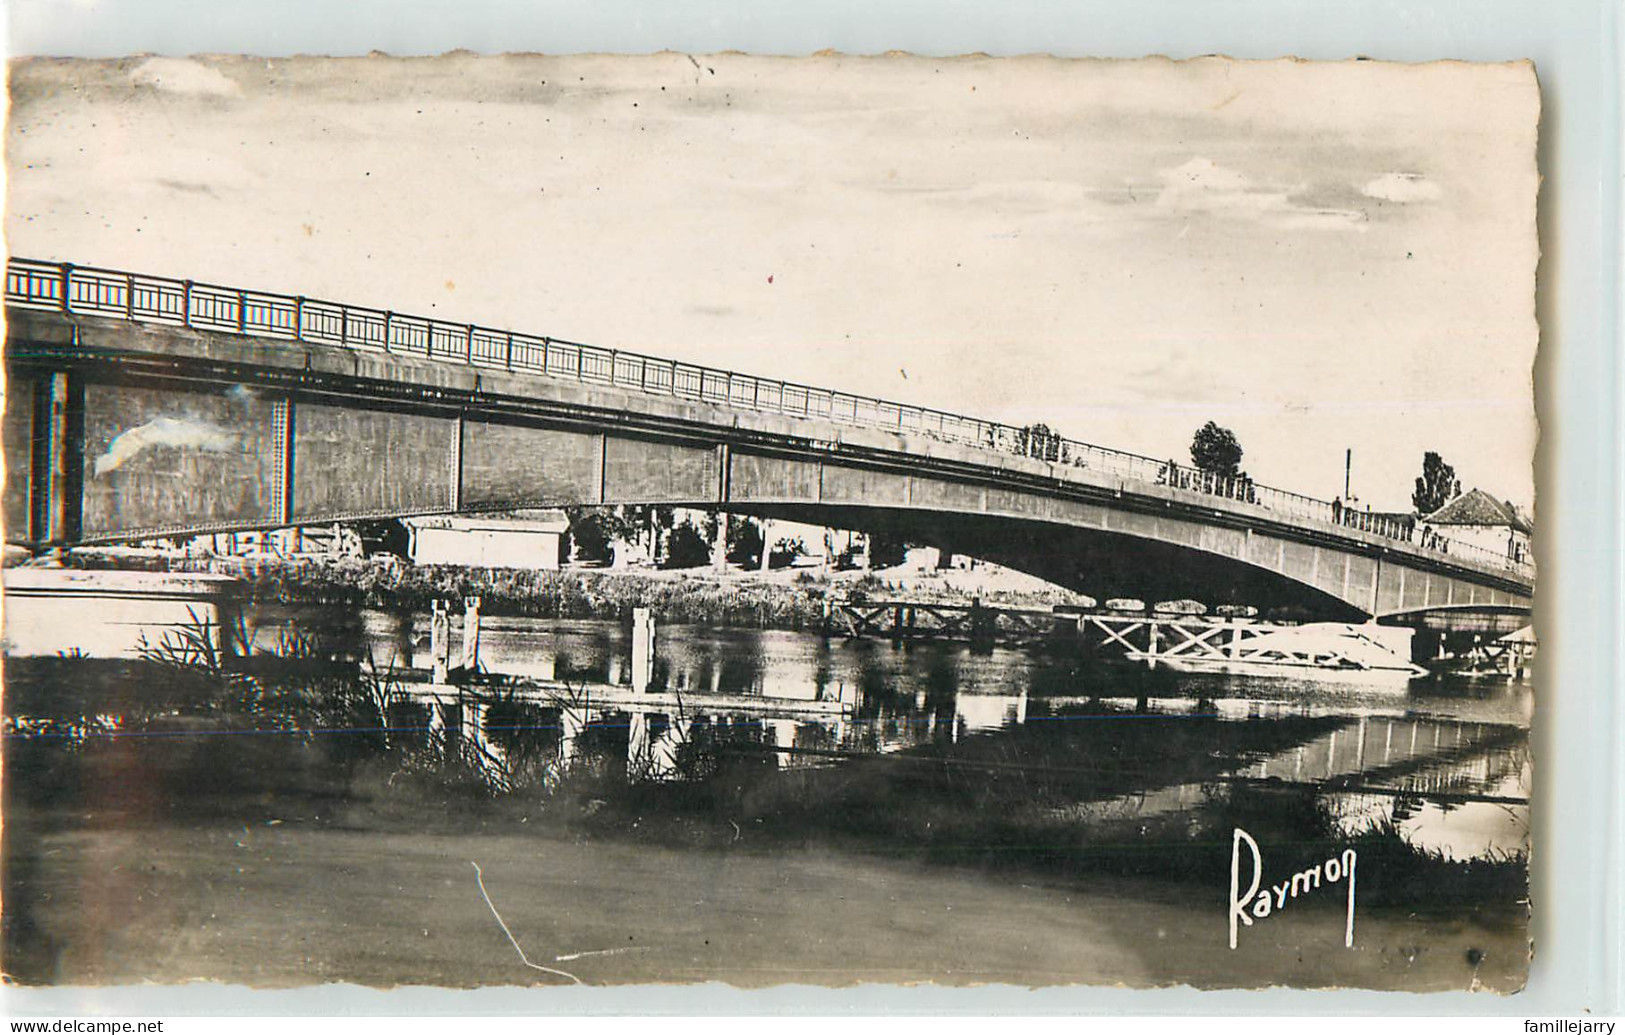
[115, 432]
[1099, 563]
[1487, 622]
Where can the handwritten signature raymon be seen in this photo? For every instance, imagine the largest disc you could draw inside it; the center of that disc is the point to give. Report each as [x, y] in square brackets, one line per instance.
[1253, 903]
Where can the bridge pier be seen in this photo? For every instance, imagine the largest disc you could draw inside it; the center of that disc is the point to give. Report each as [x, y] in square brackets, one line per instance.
[56, 461]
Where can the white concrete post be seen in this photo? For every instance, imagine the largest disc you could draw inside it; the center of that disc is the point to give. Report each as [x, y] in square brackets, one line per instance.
[471, 634]
[643, 649]
[440, 640]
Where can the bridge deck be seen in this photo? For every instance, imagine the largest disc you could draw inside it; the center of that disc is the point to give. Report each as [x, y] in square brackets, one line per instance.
[93, 291]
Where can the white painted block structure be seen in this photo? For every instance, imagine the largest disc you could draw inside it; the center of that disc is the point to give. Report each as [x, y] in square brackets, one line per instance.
[115, 614]
[531, 540]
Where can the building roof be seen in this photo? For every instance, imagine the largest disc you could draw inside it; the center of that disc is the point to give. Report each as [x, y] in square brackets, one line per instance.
[1479, 508]
[553, 521]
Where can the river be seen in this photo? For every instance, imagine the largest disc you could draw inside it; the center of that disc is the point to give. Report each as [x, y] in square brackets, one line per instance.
[854, 810]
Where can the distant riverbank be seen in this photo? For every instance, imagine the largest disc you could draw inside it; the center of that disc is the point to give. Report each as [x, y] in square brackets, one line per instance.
[791, 599]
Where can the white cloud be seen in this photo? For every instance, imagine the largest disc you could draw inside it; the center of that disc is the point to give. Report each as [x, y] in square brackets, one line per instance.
[1401, 187]
[1200, 186]
[177, 75]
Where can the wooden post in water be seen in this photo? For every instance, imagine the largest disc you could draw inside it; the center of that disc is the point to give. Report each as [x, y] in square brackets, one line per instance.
[440, 640]
[643, 649]
[471, 634]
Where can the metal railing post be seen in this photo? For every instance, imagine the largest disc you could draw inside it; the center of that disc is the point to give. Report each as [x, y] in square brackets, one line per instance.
[242, 312]
[129, 296]
[299, 318]
[67, 287]
[186, 302]
[508, 355]
[389, 320]
[470, 347]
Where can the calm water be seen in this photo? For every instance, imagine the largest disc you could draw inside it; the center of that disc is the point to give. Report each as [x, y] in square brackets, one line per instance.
[1463, 737]
[1026, 766]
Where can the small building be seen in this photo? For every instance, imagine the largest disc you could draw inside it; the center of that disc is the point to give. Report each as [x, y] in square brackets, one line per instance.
[518, 539]
[1478, 519]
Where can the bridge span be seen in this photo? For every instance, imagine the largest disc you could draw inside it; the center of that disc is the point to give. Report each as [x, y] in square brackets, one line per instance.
[142, 406]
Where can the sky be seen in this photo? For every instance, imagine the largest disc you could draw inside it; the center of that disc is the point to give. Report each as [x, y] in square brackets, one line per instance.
[1320, 256]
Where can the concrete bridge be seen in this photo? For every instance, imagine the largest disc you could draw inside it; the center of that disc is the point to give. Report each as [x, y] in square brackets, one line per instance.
[143, 406]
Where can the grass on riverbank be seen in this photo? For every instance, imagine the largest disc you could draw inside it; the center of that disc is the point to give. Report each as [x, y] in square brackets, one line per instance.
[782, 599]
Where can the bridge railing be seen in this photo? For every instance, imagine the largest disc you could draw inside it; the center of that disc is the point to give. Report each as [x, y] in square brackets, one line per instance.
[136, 296]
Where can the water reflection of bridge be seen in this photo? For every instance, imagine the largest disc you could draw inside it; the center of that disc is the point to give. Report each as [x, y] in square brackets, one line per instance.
[490, 733]
[1392, 755]
[1414, 755]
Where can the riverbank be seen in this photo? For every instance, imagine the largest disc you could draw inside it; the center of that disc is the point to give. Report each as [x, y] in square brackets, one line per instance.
[279, 904]
[786, 598]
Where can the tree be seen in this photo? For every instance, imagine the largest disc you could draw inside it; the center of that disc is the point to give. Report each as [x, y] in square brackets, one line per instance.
[1039, 441]
[886, 549]
[745, 541]
[594, 531]
[688, 546]
[1216, 451]
[1436, 487]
